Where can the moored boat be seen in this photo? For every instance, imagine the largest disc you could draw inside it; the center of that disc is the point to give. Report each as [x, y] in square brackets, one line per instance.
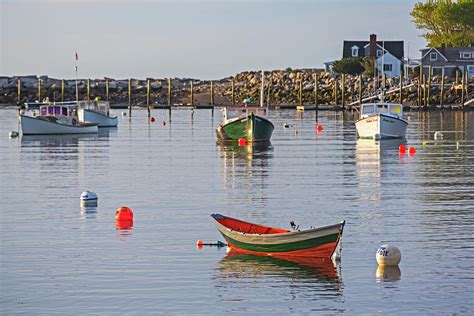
[250, 238]
[381, 121]
[96, 112]
[249, 122]
[53, 118]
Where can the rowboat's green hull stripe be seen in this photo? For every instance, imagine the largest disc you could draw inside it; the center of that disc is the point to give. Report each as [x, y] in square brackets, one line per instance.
[299, 245]
[251, 128]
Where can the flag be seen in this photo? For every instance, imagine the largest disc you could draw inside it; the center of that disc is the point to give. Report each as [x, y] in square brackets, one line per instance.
[77, 56]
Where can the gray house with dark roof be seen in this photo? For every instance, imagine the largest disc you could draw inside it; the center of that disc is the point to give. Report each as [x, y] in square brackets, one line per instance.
[388, 55]
[445, 60]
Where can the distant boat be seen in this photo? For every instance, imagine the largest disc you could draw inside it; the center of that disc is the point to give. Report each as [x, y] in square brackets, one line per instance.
[250, 238]
[96, 112]
[248, 122]
[53, 118]
[381, 121]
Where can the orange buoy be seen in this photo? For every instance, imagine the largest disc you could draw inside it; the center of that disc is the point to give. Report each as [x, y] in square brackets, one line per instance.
[199, 242]
[412, 150]
[319, 128]
[152, 119]
[402, 148]
[124, 214]
[242, 142]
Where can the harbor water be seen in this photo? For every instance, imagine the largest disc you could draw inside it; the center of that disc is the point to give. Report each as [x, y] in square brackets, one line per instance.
[58, 258]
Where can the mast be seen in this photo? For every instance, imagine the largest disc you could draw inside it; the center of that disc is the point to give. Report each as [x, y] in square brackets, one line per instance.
[262, 89]
[77, 91]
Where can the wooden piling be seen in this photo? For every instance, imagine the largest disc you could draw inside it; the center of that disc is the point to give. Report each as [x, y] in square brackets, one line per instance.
[428, 92]
[129, 97]
[212, 93]
[19, 91]
[441, 99]
[360, 93]
[420, 75]
[343, 90]
[463, 87]
[39, 90]
[169, 92]
[424, 91]
[88, 89]
[400, 92]
[300, 93]
[335, 91]
[233, 93]
[192, 94]
[316, 92]
[456, 72]
[107, 89]
[148, 104]
[62, 90]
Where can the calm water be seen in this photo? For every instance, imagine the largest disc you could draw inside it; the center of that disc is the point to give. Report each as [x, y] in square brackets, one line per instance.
[57, 258]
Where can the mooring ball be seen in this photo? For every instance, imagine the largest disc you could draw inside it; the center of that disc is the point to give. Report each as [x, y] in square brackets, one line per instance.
[319, 127]
[242, 142]
[124, 113]
[286, 125]
[388, 255]
[124, 214]
[88, 196]
[152, 119]
[412, 150]
[13, 134]
[402, 148]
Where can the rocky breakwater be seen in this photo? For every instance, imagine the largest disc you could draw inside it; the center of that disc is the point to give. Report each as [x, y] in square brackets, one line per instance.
[282, 88]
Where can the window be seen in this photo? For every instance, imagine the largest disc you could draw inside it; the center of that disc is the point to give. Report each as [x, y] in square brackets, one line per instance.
[379, 53]
[367, 109]
[396, 109]
[437, 71]
[387, 67]
[355, 51]
[382, 108]
[433, 56]
[466, 55]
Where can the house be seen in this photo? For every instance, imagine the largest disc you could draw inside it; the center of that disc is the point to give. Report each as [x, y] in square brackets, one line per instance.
[388, 55]
[445, 60]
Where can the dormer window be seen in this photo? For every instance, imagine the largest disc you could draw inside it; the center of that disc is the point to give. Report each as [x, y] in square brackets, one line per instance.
[379, 52]
[465, 55]
[355, 51]
[433, 56]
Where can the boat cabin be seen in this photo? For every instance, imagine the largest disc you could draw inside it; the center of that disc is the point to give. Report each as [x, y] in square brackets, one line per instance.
[234, 112]
[103, 106]
[390, 109]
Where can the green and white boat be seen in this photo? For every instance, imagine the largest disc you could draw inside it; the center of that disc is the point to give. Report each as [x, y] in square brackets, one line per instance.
[249, 122]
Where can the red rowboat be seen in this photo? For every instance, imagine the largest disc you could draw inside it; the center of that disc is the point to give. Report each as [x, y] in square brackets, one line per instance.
[250, 238]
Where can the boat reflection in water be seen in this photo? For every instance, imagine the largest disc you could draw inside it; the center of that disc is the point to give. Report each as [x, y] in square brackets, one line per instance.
[55, 140]
[323, 271]
[230, 150]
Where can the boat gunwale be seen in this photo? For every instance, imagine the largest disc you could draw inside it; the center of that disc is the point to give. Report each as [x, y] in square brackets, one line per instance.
[382, 114]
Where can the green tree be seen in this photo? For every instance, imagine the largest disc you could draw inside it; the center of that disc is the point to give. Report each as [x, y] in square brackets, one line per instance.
[445, 22]
[351, 66]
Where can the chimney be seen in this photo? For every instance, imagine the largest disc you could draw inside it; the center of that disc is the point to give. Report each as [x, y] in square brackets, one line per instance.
[442, 49]
[373, 45]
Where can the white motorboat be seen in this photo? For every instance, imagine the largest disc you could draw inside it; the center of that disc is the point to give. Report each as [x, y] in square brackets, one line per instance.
[53, 118]
[381, 121]
[96, 112]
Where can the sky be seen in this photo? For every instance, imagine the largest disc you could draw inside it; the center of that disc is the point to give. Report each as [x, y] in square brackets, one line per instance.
[190, 38]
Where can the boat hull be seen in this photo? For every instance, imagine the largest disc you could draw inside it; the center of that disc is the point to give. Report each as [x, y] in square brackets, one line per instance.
[314, 243]
[252, 127]
[97, 117]
[37, 126]
[381, 126]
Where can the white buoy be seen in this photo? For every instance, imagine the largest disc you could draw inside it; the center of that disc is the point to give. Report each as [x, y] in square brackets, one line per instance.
[388, 255]
[457, 145]
[13, 134]
[124, 113]
[286, 125]
[438, 135]
[89, 198]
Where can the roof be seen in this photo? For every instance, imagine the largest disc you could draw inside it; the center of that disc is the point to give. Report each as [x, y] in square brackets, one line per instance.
[394, 47]
[449, 53]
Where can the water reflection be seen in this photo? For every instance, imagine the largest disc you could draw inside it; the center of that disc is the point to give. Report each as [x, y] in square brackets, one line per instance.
[306, 274]
[387, 274]
[56, 140]
[88, 211]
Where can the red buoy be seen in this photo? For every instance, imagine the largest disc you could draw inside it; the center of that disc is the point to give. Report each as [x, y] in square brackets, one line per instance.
[124, 214]
[411, 151]
[152, 119]
[242, 142]
[319, 128]
[402, 148]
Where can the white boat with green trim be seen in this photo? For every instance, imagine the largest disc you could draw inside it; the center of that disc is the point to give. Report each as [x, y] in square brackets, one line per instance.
[381, 121]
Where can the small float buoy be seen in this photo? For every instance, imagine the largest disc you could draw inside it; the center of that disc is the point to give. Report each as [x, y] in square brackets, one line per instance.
[411, 151]
[242, 142]
[152, 119]
[402, 148]
[438, 135]
[124, 113]
[163, 123]
[424, 143]
[388, 255]
[89, 198]
[199, 243]
[13, 134]
[319, 128]
[124, 214]
[286, 125]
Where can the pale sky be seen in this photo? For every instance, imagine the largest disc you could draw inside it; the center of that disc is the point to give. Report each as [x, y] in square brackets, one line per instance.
[198, 39]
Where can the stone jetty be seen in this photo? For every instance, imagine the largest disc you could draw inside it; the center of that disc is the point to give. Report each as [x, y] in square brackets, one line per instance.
[285, 88]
